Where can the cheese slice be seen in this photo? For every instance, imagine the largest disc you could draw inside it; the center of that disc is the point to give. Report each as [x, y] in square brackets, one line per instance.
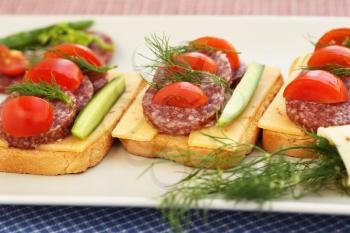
[275, 118]
[340, 137]
[134, 125]
[234, 133]
[72, 144]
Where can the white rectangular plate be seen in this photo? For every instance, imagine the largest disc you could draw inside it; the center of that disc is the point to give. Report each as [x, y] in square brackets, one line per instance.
[119, 180]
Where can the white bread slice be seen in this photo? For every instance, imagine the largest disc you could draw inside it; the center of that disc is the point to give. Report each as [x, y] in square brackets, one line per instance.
[278, 130]
[72, 155]
[196, 150]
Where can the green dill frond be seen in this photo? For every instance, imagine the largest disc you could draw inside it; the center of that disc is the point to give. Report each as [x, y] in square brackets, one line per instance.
[162, 50]
[338, 70]
[311, 39]
[346, 42]
[164, 57]
[87, 67]
[50, 91]
[82, 63]
[257, 179]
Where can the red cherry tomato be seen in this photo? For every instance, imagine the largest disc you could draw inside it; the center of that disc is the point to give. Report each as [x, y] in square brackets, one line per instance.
[330, 55]
[12, 62]
[64, 72]
[220, 44]
[181, 94]
[75, 50]
[25, 116]
[317, 86]
[195, 60]
[338, 36]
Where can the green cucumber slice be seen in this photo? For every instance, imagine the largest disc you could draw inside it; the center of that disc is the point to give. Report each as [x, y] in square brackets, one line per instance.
[94, 112]
[242, 94]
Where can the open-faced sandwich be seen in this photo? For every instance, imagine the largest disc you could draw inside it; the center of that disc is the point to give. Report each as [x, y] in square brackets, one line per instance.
[58, 118]
[21, 50]
[201, 97]
[314, 100]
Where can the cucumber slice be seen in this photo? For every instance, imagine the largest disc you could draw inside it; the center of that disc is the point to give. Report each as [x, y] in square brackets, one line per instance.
[242, 94]
[94, 112]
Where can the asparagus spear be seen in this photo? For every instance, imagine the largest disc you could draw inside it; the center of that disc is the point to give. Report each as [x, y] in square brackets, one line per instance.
[30, 38]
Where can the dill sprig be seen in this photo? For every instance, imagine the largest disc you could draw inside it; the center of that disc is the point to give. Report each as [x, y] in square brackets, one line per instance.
[50, 91]
[88, 67]
[338, 70]
[84, 65]
[257, 179]
[346, 42]
[164, 57]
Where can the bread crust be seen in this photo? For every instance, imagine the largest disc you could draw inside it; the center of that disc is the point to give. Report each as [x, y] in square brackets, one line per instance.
[52, 163]
[272, 141]
[176, 148]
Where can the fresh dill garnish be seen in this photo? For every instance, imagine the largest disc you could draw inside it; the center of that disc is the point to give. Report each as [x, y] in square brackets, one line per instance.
[257, 179]
[164, 57]
[84, 65]
[87, 67]
[50, 91]
[338, 70]
[346, 42]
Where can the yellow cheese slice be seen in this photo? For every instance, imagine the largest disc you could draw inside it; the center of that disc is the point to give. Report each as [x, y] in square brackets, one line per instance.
[72, 144]
[340, 137]
[275, 118]
[236, 130]
[133, 125]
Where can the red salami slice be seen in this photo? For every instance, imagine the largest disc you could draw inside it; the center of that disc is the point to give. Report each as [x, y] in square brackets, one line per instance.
[181, 121]
[84, 93]
[62, 120]
[6, 81]
[105, 55]
[311, 116]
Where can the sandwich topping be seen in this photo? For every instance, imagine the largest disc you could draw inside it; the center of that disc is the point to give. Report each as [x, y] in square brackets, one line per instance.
[190, 86]
[44, 104]
[319, 96]
[63, 116]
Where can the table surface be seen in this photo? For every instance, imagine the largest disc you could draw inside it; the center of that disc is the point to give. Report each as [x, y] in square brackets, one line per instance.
[98, 219]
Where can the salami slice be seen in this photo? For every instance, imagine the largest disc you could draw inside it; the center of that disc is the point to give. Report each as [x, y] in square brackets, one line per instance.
[84, 93]
[238, 74]
[63, 117]
[311, 116]
[181, 121]
[105, 55]
[99, 81]
[6, 81]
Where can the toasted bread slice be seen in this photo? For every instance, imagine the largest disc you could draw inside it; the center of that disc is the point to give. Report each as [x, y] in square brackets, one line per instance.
[278, 130]
[71, 155]
[198, 149]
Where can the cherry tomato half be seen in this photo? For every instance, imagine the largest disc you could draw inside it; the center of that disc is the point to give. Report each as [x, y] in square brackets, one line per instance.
[181, 94]
[25, 116]
[64, 72]
[75, 50]
[338, 36]
[12, 62]
[195, 60]
[317, 86]
[219, 44]
[330, 55]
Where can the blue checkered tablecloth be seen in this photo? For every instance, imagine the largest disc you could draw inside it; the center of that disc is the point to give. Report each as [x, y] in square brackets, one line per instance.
[108, 219]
